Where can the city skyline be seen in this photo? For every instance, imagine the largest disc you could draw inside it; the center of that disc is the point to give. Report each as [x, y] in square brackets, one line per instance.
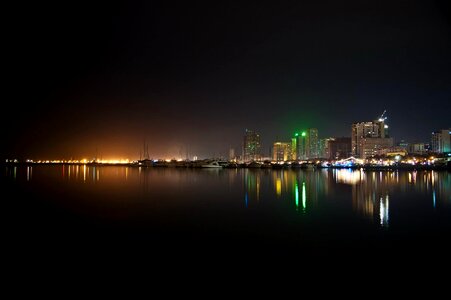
[189, 79]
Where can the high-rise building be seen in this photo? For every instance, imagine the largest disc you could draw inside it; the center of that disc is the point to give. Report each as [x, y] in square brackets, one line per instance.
[372, 146]
[305, 145]
[251, 146]
[416, 148]
[281, 151]
[338, 148]
[232, 154]
[369, 137]
[440, 141]
[298, 145]
[322, 148]
[294, 147]
[311, 143]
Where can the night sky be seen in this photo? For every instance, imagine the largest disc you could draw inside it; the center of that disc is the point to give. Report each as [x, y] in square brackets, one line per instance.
[190, 77]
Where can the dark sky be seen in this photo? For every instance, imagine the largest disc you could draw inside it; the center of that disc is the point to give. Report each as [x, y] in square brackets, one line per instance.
[192, 76]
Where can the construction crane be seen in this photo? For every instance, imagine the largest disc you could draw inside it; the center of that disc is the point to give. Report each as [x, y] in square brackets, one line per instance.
[382, 118]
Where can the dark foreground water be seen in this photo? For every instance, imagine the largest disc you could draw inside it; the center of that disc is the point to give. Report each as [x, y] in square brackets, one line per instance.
[297, 215]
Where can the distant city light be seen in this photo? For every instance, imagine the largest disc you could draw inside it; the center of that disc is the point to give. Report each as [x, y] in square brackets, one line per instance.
[303, 133]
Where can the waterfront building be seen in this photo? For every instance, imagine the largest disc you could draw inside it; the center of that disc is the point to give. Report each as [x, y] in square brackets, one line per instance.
[281, 151]
[440, 141]
[232, 154]
[369, 137]
[417, 148]
[311, 143]
[392, 151]
[338, 148]
[294, 147]
[251, 146]
[322, 147]
[305, 145]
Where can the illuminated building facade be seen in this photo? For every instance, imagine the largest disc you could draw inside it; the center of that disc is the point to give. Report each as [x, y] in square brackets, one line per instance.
[232, 154]
[440, 141]
[294, 147]
[369, 137]
[311, 144]
[416, 148]
[305, 145]
[300, 145]
[281, 151]
[251, 146]
[322, 147]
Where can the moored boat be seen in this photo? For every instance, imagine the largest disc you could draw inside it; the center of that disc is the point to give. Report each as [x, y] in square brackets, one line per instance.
[212, 164]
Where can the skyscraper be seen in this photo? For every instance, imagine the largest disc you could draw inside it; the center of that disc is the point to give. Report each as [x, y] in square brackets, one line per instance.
[298, 145]
[338, 148]
[294, 147]
[281, 151]
[251, 146]
[440, 141]
[369, 137]
[311, 143]
[305, 145]
[232, 154]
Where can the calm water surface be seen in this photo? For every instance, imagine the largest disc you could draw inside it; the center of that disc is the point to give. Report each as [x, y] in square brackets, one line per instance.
[168, 210]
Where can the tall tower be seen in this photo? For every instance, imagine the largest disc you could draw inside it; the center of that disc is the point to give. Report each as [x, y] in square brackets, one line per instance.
[440, 141]
[294, 147]
[300, 145]
[251, 146]
[368, 137]
[281, 151]
[311, 143]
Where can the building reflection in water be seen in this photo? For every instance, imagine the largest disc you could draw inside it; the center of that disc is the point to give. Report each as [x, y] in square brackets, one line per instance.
[252, 186]
[383, 211]
[29, 173]
[370, 192]
[304, 197]
[299, 189]
[370, 197]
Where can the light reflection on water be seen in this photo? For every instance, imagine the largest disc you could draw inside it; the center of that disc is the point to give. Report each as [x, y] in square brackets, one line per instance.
[369, 195]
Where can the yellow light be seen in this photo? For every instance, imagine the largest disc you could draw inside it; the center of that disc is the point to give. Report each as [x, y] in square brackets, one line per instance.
[278, 187]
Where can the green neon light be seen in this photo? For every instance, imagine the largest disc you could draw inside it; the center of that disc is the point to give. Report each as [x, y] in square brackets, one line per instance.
[296, 134]
[296, 195]
[303, 133]
[304, 196]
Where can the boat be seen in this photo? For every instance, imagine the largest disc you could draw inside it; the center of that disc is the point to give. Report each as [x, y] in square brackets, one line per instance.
[254, 164]
[145, 162]
[212, 164]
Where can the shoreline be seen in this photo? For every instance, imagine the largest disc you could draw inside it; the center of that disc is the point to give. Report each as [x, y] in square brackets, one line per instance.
[266, 167]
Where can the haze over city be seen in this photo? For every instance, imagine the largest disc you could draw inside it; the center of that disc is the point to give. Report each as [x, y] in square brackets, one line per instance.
[191, 78]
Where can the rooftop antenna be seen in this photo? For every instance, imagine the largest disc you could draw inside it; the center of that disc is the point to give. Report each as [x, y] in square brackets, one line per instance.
[382, 118]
